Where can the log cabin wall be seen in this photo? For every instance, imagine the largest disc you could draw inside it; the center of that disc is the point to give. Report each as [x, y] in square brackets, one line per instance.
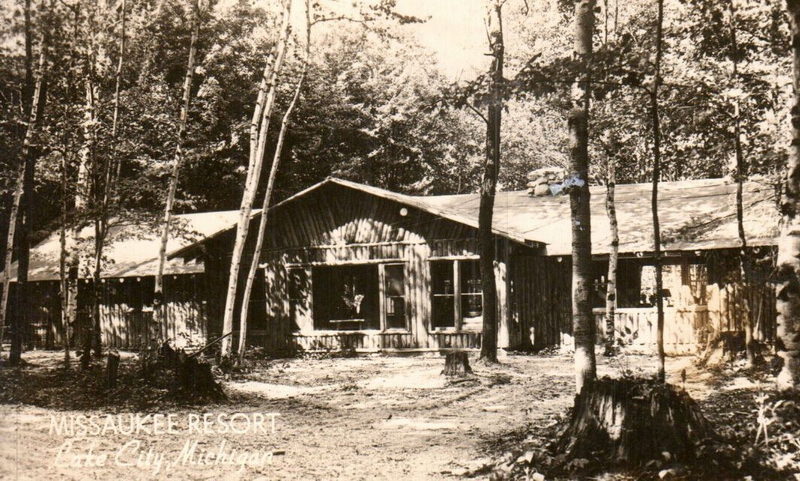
[337, 226]
[216, 255]
[126, 312]
[540, 299]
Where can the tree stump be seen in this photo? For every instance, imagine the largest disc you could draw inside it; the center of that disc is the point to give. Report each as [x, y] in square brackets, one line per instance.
[633, 421]
[112, 369]
[195, 378]
[456, 364]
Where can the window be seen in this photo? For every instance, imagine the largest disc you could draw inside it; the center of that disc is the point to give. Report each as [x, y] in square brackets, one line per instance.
[457, 294]
[346, 297]
[394, 295]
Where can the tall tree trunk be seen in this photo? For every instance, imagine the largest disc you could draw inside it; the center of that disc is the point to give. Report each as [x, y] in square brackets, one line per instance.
[25, 204]
[656, 125]
[583, 327]
[27, 93]
[273, 173]
[741, 175]
[491, 168]
[613, 257]
[10, 244]
[259, 126]
[85, 187]
[788, 262]
[69, 248]
[104, 189]
[158, 292]
[62, 262]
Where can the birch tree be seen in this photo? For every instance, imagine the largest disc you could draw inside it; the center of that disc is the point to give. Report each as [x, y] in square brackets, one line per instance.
[656, 126]
[158, 293]
[613, 255]
[22, 209]
[788, 262]
[19, 186]
[583, 328]
[273, 173]
[259, 127]
[488, 186]
[85, 187]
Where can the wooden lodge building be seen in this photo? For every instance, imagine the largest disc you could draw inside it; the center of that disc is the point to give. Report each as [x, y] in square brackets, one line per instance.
[348, 266]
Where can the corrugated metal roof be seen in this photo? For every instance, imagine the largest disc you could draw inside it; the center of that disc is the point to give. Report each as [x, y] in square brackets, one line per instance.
[132, 249]
[694, 215]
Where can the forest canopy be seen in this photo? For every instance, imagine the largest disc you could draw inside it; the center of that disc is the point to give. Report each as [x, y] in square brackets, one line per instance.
[379, 106]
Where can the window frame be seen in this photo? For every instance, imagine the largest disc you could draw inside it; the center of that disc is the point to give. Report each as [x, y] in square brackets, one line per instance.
[382, 298]
[381, 265]
[458, 315]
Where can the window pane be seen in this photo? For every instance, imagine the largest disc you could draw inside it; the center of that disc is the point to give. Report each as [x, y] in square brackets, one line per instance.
[395, 301]
[396, 313]
[470, 276]
[471, 305]
[395, 280]
[442, 277]
[443, 312]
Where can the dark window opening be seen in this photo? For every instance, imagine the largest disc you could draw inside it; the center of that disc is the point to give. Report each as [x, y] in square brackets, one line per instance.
[346, 297]
[442, 277]
[395, 296]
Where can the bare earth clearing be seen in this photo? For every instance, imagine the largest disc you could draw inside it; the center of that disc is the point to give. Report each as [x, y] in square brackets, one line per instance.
[374, 417]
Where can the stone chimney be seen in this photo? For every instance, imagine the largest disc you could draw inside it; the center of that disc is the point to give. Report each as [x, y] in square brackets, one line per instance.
[545, 181]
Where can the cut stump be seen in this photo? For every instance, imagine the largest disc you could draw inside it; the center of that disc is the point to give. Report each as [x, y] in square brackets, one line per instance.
[633, 421]
[456, 364]
[112, 370]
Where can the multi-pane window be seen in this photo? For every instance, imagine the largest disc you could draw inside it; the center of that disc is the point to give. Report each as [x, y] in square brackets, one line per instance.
[354, 297]
[457, 296]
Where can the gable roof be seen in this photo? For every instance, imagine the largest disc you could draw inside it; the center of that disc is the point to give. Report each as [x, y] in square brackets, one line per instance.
[694, 214]
[132, 249]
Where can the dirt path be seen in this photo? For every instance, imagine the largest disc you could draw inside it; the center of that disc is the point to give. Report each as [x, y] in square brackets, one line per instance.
[362, 418]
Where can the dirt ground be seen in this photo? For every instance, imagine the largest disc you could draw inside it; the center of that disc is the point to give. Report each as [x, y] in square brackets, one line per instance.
[376, 417]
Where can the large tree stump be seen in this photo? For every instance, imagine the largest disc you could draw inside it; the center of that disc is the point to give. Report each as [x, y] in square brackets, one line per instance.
[633, 421]
[456, 364]
[196, 379]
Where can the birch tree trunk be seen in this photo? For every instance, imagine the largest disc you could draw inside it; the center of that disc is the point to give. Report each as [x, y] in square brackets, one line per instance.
[68, 255]
[788, 262]
[85, 186]
[24, 202]
[104, 192]
[273, 173]
[656, 125]
[491, 168]
[158, 292]
[62, 262]
[10, 244]
[259, 126]
[583, 328]
[613, 257]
